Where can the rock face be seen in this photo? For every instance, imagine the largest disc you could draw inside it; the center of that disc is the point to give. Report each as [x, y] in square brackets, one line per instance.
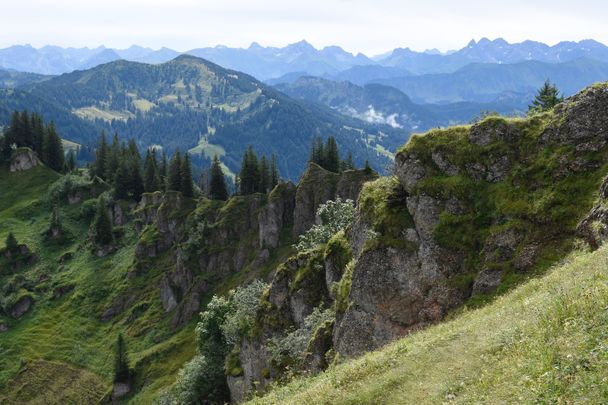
[318, 186]
[396, 290]
[24, 159]
[594, 227]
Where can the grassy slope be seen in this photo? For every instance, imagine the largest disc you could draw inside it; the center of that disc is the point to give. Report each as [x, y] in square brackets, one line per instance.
[68, 330]
[546, 341]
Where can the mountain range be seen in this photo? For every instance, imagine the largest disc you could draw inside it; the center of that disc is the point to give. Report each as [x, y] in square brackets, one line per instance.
[271, 62]
[191, 104]
[378, 103]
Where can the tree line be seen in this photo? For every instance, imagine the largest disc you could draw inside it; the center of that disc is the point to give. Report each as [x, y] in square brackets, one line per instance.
[121, 166]
[29, 130]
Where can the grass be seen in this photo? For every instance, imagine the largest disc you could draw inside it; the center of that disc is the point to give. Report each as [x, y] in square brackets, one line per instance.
[546, 341]
[65, 338]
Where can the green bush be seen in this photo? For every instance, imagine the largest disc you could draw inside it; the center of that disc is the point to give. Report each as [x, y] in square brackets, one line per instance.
[335, 216]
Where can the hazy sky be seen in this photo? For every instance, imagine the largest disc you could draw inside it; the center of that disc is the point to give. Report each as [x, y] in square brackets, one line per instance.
[369, 26]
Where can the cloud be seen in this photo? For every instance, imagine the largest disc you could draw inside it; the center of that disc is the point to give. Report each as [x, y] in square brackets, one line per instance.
[371, 26]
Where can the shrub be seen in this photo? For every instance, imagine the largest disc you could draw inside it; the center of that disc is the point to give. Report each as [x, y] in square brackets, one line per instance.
[241, 318]
[292, 348]
[59, 190]
[334, 216]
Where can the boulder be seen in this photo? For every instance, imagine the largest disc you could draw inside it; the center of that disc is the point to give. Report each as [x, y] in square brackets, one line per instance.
[24, 159]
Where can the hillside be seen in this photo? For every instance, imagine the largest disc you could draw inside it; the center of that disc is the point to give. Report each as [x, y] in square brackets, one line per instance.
[191, 104]
[387, 105]
[485, 82]
[545, 342]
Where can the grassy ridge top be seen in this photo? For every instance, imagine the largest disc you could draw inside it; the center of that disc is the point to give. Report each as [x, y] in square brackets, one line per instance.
[546, 341]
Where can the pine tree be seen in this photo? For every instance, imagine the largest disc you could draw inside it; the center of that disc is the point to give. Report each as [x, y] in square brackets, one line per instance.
[250, 173]
[25, 129]
[101, 157]
[347, 164]
[136, 180]
[264, 170]
[123, 182]
[546, 98]
[317, 151]
[187, 188]
[102, 225]
[114, 152]
[274, 171]
[122, 371]
[52, 148]
[37, 126]
[174, 179]
[12, 246]
[331, 158]
[151, 172]
[163, 168]
[217, 184]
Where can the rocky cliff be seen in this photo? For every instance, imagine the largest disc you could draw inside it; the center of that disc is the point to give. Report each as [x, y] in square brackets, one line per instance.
[470, 212]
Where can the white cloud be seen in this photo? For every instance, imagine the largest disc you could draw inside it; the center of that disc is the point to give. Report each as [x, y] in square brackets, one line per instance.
[370, 26]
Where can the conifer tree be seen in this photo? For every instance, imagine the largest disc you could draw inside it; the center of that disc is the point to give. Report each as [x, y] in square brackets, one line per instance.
[136, 181]
[163, 168]
[367, 168]
[250, 172]
[114, 155]
[217, 184]
[102, 225]
[12, 246]
[37, 126]
[317, 151]
[187, 188]
[151, 172]
[122, 181]
[122, 371]
[347, 164]
[174, 179]
[274, 171]
[546, 98]
[331, 158]
[25, 130]
[264, 181]
[101, 157]
[52, 147]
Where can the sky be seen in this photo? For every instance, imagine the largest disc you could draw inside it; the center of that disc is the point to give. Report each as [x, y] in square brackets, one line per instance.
[368, 26]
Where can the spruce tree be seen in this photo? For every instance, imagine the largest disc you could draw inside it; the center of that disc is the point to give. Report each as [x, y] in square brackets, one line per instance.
[163, 167]
[367, 168]
[114, 155]
[37, 126]
[151, 172]
[122, 372]
[101, 157]
[217, 184]
[331, 158]
[102, 225]
[347, 164]
[546, 98]
[27, 138]
[317, 151]
[264, 170]
[52, 148]
[174, 179]
[136, 181]
[12, 246]
[187, 188]
[250, 173]
[274, 171]
[122, 181]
